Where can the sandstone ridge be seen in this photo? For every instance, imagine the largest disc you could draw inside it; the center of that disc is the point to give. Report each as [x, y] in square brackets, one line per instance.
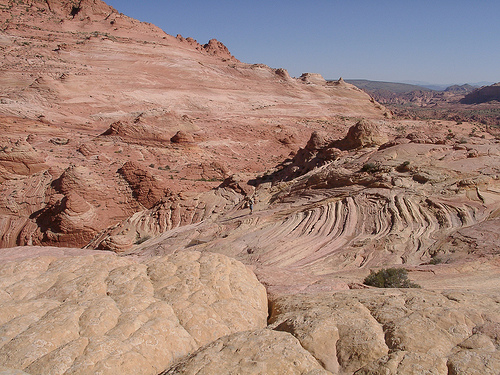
[68, 100]
[129, 245]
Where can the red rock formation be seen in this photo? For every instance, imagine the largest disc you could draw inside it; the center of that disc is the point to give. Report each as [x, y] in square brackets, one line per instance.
[182, 137]
[216, 48]
[363, 134]
[19, 157]
[147, 189]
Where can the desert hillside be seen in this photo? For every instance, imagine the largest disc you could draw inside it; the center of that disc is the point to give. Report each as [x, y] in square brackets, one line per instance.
[91, 95]
[461, 103]
[128, 162]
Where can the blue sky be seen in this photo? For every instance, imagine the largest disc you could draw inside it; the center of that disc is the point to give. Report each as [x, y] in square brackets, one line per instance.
[440, 41]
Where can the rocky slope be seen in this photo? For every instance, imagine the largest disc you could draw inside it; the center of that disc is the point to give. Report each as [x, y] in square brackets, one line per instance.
[464, 103]
[157, 170]
[92, 91]
[483, 95]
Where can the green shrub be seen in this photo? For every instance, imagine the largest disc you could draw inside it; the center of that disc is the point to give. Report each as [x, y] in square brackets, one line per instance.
[370, 167]
[435, 261]
[140, 239]
[390, 278]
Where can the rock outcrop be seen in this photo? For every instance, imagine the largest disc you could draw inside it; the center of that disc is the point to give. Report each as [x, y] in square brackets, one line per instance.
[363, 134]
[257, 352]
[147, 189]
[18, 157]
[182, 137]
[105, 314]
[67, 219]
[135, 133]
[395, 331]
[216, 48]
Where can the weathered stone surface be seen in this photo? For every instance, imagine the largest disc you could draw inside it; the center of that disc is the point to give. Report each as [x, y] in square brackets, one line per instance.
[106, 314]
[8, 371]
[147, 189]
[363, 134]
[395, 331]
[257, 352]
[19, 157]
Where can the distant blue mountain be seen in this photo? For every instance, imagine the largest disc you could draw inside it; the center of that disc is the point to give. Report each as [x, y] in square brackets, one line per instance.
[442, 87]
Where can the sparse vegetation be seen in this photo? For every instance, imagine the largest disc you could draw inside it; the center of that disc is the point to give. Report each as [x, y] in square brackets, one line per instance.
[390, 278]
[370, 168]
[140, 239]
[435, 261]
[404, 166]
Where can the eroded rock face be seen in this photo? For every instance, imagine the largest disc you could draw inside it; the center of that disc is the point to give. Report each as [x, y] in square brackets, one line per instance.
[182, 137]
[105, 314]
[19, 157]
[147, 189]
[67, 219]
[395, 331]
[363, 134]
[258, 352]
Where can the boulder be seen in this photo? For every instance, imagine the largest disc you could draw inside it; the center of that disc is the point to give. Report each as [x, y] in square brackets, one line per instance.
[258, 352]
[105, 314]
[395, 331]
[363, 134]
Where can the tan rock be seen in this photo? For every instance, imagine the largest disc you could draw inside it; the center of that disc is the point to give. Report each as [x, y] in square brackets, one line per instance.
[363, 134]
[105, 314]
[342, 335]
[258, 352]
[394, 331]
[8, 371]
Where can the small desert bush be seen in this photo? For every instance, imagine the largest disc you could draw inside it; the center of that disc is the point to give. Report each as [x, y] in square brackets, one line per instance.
[390, 278]
[370, 167]
[140, 239]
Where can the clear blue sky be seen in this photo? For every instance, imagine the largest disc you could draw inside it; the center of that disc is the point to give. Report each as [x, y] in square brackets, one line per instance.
[439, 41]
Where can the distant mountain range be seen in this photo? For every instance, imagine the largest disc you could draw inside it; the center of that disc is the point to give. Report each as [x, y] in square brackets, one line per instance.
[443, 87]
[406, 87]
[467, 102]
[392, 87]
[403, 93]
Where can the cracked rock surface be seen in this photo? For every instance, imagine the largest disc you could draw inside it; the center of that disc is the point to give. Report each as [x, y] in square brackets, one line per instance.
[395, 331]
[105, 314]
[258, 352]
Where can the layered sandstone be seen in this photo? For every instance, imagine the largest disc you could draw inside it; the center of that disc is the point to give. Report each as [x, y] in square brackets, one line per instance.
[160, 169]
[96, 89]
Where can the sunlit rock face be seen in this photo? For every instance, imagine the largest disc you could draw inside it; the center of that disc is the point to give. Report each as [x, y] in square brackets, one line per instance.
[102, 313]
